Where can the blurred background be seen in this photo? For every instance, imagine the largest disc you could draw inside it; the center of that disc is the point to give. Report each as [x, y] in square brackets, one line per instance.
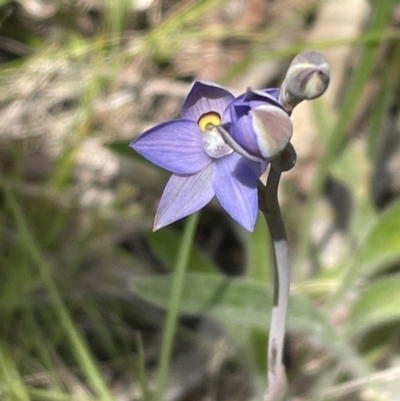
[84, 282]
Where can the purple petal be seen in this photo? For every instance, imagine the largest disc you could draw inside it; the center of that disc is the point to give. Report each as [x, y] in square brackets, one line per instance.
[224, 131]
[235, 186]
[175, 146]
[184, 195]
[269, 95]
[203, 98]
[243, 133]
[251, 98]
[259, 168]
[274, 92]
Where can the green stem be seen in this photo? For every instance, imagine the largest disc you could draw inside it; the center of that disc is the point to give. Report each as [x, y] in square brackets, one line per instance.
[143, 382]
[174, 304]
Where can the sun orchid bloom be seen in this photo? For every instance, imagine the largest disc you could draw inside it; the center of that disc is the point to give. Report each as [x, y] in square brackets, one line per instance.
[260, 127]
[202, 163]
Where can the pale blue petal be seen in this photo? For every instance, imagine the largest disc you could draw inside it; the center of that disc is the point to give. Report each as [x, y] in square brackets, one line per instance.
[184, 195]
[243, 133]
[258, 168]
[175, 146]
[269, 95]
[203, 98]
[235, 186]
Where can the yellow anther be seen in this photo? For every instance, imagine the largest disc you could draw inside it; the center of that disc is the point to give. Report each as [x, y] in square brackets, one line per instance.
[208, 121]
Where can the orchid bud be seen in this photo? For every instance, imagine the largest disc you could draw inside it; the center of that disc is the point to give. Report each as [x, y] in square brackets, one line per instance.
[307, 78]
[260, 128]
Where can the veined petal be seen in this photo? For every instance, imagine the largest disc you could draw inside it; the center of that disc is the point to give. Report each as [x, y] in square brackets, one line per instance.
[184, 195]
[175, 146]
[235, 186]
[203, 98]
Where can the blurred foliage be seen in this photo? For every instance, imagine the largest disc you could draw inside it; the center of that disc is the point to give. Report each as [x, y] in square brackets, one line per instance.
[84, 283]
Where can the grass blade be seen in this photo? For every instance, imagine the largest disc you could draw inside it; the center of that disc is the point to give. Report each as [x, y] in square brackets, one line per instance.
[174, 305]
[338, 136]
[78, 345]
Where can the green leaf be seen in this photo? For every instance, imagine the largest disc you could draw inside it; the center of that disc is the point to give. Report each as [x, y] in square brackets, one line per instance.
[382, 244]
[121, 147]
[351, 170]
[166, 242]
[380, 248]
[378, 304]
[247, 303]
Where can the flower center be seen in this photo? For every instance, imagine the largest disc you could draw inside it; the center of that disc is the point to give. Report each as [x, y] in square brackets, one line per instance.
[207, 121]
[213, 143]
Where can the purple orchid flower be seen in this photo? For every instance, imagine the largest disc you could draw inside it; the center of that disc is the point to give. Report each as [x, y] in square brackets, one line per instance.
[202, 163]
[260, 127]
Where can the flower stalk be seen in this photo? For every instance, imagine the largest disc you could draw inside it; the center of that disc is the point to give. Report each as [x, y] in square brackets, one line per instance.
[269, 206]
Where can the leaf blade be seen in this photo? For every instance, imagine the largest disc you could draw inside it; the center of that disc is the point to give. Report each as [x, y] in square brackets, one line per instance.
[377, 305]
[248, 303]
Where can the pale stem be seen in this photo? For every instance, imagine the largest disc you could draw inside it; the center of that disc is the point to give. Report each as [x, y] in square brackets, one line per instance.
[269, 205]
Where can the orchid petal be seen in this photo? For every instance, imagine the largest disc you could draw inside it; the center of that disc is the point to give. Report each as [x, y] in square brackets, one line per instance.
[269, 95]
[184, 195]
[264, 95]
[259, 168]
[243, 133]
[175, 146]
[205, 97]
[235, 186]
[273, 129]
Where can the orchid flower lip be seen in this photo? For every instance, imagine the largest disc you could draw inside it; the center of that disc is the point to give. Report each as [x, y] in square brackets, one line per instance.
[214, 144]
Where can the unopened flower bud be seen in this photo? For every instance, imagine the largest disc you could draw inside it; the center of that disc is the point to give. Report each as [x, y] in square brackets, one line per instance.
[260, 127]
[307, 78]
